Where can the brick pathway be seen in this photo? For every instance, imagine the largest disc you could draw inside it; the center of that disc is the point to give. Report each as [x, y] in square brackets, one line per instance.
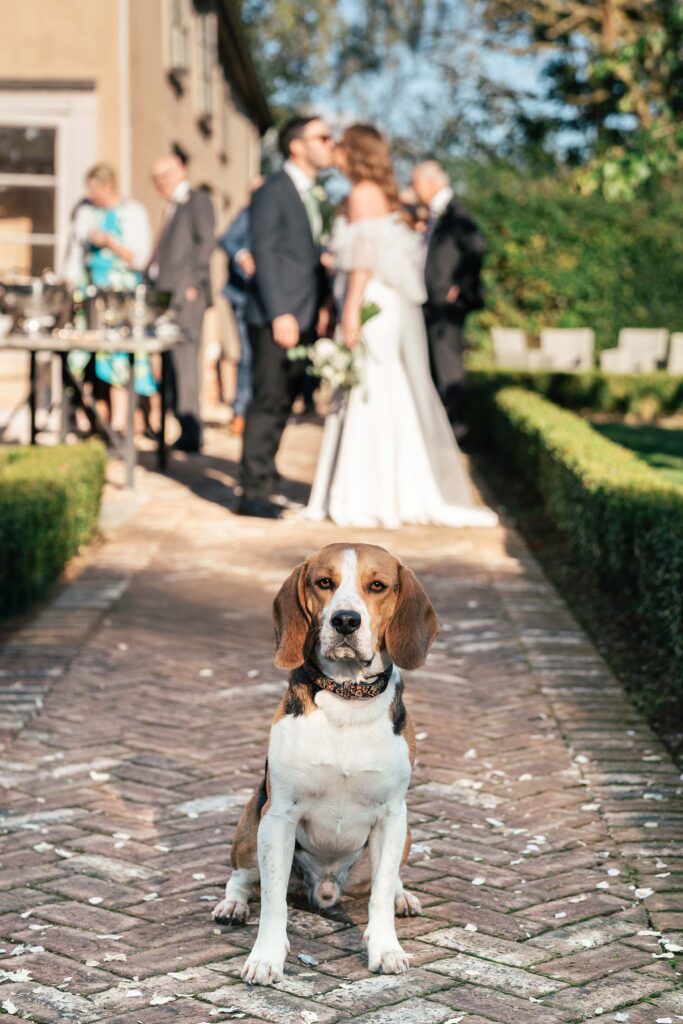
[547, 833]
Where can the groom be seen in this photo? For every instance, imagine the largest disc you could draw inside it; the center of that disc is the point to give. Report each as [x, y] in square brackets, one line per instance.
[284, 300]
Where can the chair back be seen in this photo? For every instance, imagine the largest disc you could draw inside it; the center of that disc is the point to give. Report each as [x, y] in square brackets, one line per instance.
[510, 346]
[568, 348]
[647, 346]
[675, 363]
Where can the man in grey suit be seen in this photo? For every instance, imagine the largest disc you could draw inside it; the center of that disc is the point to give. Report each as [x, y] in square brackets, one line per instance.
[284, 300]
[180, 264]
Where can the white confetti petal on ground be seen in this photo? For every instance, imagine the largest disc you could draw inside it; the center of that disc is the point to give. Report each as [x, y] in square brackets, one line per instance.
[309, 1017]
[642, 894]
[662, 956]
[613, 872]
[664, 1020]
[672, 947]
[602, 885]
[470, 754]
[307, 959]
[95, 900]
[470, 928]
[421, 735]
[479, 880]
[9, 1006]
[621, 1017]
[109, 957]
[100, 776]
[92, 963]
[649, 931]
[131, 993]
[206, 673]
[150, 896]
[496, 822]
[561, 914]
[199, 876]
[21, 975]
[253, 673]
[159, 1000]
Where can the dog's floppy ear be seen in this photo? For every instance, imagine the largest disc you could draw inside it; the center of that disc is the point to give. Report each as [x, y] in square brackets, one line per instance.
[414, 626]
[291, 621]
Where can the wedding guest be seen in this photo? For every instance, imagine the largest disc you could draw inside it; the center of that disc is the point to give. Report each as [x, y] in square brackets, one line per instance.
[180, 265]
[455, 251]
[284, 300]
[109, 248]
[236, 243]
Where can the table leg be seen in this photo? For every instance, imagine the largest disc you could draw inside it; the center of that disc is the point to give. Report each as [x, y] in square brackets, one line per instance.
[65, 404]
[32, 395]
[130, 433]
[161, 448]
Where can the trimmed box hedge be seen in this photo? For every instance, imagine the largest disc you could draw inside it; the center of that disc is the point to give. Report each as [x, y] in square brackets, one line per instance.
[645, 395]
[49, 506]
[623, 521]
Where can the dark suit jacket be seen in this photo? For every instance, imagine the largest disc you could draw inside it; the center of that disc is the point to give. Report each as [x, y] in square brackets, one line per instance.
[183, 257]
[289, 276]
[454, 257]
[236, 238]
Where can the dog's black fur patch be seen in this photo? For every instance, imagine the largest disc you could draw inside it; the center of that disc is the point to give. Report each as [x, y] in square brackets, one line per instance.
[397, 711]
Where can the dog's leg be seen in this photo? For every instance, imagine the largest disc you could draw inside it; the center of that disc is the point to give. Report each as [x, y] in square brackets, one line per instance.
[387, 840]
[406, 903]
[234, 909]
[266, 961]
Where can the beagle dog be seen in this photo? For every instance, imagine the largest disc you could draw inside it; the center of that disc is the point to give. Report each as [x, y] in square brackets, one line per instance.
[340, 753]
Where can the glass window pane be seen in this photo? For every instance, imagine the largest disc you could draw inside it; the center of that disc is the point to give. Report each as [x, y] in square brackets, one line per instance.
[24, 258]
[25, 210]
[27, 150]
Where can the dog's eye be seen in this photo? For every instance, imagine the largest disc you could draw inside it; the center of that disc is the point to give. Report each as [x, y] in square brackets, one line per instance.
[377, 586]
[325, 583]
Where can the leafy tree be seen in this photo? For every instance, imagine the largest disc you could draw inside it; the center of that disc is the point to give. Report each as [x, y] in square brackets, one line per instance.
[615, 74]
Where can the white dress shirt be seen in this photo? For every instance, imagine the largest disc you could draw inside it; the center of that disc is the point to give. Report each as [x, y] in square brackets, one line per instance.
[440, 201]
[303, 184]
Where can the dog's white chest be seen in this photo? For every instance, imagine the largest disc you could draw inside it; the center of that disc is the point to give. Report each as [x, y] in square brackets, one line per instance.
[340, 777]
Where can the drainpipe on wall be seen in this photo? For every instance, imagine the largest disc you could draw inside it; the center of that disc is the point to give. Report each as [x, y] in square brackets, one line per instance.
[124, 97]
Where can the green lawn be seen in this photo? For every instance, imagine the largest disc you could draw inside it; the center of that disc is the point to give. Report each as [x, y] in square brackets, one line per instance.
[662, 449]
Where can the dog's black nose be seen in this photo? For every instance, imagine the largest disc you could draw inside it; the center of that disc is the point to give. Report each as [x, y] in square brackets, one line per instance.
[346, 622]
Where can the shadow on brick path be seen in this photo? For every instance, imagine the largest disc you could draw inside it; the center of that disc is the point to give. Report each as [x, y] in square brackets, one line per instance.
[135, 709]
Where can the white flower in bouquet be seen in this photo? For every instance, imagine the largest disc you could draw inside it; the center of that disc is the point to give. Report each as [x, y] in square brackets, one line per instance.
[339, 366]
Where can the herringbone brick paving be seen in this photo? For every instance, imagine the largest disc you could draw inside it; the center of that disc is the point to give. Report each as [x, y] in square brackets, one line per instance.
[546, 817]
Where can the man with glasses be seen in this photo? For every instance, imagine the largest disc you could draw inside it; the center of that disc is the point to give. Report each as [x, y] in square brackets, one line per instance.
[285, 297]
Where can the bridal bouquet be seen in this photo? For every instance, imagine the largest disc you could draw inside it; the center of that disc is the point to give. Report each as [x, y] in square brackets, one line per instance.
[339, 367]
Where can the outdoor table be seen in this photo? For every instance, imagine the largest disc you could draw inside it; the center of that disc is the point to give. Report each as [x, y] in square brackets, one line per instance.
[66, 340]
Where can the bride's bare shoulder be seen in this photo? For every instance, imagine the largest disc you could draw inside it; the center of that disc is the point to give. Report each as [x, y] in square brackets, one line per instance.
[367, 200]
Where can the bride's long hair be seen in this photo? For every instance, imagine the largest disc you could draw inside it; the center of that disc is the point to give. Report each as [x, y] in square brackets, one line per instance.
[369, 159]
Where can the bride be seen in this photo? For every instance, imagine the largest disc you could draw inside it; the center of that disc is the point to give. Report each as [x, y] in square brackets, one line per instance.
[388, 454]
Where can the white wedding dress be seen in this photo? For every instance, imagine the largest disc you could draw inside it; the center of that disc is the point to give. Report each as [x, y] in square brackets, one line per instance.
[388, 454]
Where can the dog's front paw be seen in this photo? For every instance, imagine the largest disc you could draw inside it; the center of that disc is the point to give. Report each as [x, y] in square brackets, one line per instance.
[230, 912]
[407, 904]
[264, 966]
[387, 957]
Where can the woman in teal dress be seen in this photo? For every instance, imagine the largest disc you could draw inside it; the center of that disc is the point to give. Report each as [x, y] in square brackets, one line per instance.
[110, 248]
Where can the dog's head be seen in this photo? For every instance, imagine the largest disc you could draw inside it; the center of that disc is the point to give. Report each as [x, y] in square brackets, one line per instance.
[351, 601]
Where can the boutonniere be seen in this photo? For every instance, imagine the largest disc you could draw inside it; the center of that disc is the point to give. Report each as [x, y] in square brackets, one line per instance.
[319, 193]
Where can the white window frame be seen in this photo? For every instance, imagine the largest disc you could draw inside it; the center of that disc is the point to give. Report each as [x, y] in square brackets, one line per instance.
[73, 115]
[178, 36]
[207, 46]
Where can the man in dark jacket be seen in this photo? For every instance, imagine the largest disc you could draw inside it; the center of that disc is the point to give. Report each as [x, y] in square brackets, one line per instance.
[455, 251]
[283, 301]
[180, 265]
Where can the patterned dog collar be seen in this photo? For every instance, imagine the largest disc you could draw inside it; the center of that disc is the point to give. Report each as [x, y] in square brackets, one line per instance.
[349, 690]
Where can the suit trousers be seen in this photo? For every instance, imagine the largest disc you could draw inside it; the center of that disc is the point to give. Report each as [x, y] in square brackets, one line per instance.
[184, 366]
[445, 336]
[276, 382]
